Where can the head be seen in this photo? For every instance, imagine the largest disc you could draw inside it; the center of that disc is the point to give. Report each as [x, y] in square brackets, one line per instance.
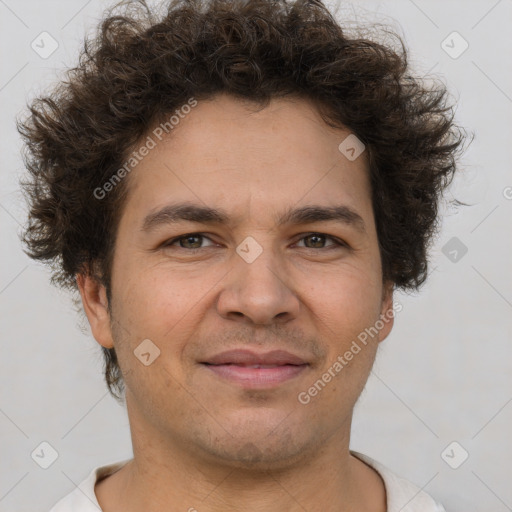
[229, 122]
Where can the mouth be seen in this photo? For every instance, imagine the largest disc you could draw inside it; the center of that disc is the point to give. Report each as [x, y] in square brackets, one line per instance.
[256, 371]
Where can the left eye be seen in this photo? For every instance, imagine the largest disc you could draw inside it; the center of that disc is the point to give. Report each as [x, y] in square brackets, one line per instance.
[316, 238]
[320, 236]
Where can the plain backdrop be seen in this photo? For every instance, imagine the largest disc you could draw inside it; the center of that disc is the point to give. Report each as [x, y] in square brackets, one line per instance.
[445, 373]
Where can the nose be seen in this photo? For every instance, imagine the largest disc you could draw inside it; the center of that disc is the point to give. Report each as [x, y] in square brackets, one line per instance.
[258, 291]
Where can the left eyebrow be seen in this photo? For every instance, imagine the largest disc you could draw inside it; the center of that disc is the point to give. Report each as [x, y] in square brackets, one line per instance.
[174, 213]
[315, 213]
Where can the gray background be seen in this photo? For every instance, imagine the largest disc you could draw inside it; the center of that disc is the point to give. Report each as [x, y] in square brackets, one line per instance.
[443, 375]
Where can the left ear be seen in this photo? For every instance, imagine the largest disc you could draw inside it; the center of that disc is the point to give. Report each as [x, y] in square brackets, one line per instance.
[387, 313]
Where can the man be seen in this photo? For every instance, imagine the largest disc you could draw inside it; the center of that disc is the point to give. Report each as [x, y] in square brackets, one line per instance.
[235, 190]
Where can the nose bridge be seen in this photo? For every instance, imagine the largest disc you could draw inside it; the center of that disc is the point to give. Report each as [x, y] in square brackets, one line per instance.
[256, 286]
[260, 259]
[259, 263]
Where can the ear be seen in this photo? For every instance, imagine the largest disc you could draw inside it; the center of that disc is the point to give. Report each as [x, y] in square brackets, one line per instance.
[94, 300]
[387, 313]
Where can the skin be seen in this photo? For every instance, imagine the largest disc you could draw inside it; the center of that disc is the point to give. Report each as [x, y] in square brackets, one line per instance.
[201, 442]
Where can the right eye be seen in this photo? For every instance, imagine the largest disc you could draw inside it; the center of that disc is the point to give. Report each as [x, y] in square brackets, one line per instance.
[187, 239]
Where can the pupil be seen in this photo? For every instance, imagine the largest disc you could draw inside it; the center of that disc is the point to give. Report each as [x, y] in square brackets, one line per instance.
[319, 238]
[191, 237]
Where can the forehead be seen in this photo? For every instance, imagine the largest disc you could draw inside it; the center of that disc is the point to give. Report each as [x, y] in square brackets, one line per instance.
[229, 153]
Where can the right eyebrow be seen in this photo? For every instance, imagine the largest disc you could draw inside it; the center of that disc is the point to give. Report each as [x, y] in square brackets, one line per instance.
[173, 213]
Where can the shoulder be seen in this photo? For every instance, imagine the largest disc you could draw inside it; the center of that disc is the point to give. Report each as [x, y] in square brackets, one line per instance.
[83, 497]
[402, 495]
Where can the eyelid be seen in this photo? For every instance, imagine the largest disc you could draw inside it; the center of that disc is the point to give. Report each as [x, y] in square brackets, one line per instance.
[338, 242]
[175, 239]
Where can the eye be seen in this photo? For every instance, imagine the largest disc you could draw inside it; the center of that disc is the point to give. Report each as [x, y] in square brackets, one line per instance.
[193, 241]
[318, 239]
[185, 241]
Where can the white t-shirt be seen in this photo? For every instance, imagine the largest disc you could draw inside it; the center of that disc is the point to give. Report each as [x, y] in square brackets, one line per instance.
[402, 495]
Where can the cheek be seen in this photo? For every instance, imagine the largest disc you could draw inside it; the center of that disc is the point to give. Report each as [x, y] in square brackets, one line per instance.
[346, 301]
[158, 298]
[161, 307]
[344, 309]
[165, 306]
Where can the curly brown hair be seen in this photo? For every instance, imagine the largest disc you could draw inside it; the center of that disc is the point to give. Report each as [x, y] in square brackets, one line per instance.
[137, 69]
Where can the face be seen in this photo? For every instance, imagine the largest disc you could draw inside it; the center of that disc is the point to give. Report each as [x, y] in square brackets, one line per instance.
[245, 277]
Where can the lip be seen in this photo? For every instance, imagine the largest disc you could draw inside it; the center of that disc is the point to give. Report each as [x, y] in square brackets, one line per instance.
[245, 357]
[273, 368]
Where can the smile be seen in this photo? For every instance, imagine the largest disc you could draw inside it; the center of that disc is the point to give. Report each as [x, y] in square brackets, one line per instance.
[256, 375]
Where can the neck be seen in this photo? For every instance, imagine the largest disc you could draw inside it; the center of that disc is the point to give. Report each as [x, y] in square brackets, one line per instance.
[168, 474]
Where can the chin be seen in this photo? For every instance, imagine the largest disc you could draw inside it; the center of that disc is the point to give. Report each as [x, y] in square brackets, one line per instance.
[255, 457]
[257, 446]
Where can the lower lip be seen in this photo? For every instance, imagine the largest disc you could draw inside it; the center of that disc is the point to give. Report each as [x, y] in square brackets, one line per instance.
[257, 377]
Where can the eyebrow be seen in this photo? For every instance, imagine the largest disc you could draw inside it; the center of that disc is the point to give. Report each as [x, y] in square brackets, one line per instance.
[174, 213]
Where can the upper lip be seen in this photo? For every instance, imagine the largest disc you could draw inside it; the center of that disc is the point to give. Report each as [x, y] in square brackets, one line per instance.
[243, 356]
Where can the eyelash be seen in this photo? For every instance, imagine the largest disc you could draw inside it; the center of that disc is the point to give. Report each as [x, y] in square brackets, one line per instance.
[337, 242]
